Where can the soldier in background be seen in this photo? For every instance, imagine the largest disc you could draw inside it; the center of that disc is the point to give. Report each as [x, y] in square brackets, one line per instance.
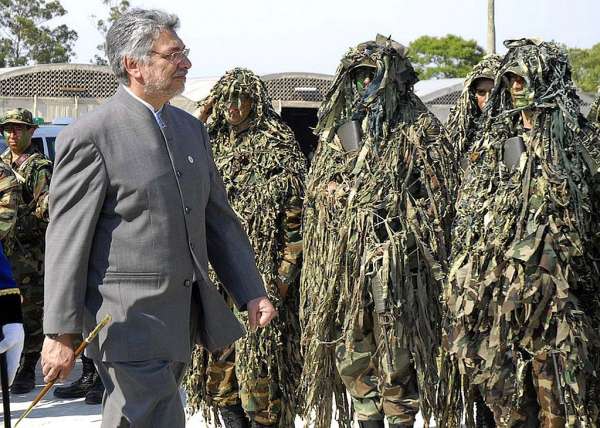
[25, 246]
[464, 126]
[12, 334]
[377, 209]
[523, 293]
[263, 171]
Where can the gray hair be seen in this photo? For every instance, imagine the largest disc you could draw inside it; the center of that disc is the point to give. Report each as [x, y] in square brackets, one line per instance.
[132, 36]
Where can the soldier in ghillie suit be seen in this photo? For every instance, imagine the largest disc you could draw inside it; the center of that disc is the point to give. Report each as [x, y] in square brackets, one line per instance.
[464, 121]
[523, 294]
[25, 246]
[263, 170]
[464, 126]
[594, 114]
[376, 211]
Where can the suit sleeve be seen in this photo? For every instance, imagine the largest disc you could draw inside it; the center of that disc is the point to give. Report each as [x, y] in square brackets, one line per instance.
[77, 193]
[229, 250]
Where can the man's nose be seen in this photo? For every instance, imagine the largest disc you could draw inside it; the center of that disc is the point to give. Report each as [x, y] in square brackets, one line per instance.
[185, 63]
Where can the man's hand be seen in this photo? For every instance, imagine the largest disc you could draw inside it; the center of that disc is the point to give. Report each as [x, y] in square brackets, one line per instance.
[205, 110]
[12, 344]
[58, 357]
[260, 312]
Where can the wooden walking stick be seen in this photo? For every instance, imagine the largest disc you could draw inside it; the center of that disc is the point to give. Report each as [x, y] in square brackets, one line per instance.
[78, 352]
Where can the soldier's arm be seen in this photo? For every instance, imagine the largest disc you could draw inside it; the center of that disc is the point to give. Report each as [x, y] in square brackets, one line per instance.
[40, 187]
[9, 187]
[289, 267]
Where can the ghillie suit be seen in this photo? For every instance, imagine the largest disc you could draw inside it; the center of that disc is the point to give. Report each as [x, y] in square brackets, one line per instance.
[374, 230]
[464, 127]
[594, 114]
[523, 293]
[464, 120]
[263, 170]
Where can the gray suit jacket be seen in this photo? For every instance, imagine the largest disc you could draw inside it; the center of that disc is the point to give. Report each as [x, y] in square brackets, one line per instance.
[134, 219]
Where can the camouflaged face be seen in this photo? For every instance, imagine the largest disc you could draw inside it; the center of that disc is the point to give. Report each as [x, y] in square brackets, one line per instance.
[18, 115]
[233, 85]
[464, 119]
[392, 83]
[546, 70]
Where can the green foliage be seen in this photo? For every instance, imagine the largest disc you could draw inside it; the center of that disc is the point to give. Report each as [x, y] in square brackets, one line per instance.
[116, 8]
[443, 57]
[586, 67]
[24, 39]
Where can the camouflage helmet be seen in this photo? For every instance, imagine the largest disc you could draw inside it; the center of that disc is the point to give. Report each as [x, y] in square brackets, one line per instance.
[18, 115]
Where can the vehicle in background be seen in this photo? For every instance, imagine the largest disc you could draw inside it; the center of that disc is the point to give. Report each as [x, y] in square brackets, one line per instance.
[44, 137]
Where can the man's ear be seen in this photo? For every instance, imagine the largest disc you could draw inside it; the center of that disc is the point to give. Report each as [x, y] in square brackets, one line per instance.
[132, 67]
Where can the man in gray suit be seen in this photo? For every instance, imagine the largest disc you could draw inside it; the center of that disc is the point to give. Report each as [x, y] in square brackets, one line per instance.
[136, 211]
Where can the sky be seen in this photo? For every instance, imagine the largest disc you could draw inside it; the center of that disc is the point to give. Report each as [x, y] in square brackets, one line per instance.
[275, 36]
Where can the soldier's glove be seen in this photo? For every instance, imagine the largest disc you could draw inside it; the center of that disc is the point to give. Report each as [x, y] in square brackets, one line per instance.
[12, 344]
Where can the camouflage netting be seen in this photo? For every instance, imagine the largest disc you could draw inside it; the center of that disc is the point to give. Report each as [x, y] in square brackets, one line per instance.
[375, 214]
[464, 119]
[523, 278]
[263, 170]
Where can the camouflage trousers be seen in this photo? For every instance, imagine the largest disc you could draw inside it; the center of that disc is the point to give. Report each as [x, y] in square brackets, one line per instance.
[379, 386]
[259, 396]
[540, 406]
[32, 294]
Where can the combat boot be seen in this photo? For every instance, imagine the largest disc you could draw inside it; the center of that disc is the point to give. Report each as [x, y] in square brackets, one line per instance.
[234, 417]
[96, 392]
[81, 386]
[371, 424]
[25, 379]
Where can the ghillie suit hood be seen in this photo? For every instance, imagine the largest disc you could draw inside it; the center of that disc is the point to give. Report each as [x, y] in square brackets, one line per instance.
[376, 214]
[465, 117]
[523, 280]
[263, 171]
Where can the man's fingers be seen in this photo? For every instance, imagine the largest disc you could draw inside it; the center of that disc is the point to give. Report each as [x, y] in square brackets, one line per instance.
[266, 316]
[52, 374]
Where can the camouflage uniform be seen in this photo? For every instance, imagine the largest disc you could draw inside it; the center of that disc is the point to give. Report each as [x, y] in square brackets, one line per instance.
[523, 295]
[25, 246]
[263, 171]
[374, 229]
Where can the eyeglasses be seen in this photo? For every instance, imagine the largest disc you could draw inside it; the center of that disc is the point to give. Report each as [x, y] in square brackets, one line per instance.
[174, 57]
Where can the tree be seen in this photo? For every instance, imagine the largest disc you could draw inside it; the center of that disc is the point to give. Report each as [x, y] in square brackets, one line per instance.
[116, 8]
[442, 57]
[586, 67]
[24, 39]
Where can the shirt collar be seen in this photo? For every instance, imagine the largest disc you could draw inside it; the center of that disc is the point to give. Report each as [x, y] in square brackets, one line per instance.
[142, 101]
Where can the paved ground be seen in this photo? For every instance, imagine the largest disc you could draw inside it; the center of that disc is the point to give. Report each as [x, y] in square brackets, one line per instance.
[54, 412]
